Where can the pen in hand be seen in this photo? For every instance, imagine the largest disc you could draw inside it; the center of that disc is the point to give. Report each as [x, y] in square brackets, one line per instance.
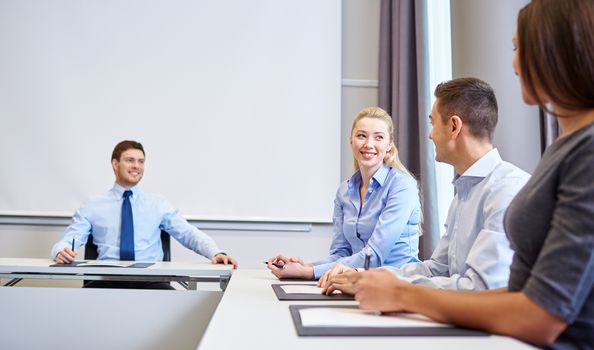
[66, 257]
[276, 264]
[367, 257]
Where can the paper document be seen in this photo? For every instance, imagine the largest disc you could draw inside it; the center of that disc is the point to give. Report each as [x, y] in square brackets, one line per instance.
[349, 317]
[104, 263]
[303, 289]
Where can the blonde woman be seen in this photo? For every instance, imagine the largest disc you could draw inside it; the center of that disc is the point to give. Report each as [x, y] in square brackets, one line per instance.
[376, 212]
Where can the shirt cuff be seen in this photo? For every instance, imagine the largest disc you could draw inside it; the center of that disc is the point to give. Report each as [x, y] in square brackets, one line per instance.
[319, 270]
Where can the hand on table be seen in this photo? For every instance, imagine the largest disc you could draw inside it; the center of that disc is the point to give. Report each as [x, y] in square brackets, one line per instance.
[282, 259]
[224, 259]
[377, 289]
[337, 269]
[290, 267]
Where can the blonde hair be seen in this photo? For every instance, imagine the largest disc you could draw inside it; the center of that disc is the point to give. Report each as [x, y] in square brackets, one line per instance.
[391, 158]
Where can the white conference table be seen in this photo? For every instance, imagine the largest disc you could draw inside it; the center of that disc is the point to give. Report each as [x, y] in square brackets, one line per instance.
[189, 273]
[250, 316]
[89, 318]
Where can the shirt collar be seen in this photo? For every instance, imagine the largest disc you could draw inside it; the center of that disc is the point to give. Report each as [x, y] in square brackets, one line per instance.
[380, 176]
[485, 165]
[119, 190]
[476, 173]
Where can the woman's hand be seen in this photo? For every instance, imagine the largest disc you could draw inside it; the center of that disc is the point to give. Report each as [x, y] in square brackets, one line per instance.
[290, 267]
[282, 259]
[378, 289]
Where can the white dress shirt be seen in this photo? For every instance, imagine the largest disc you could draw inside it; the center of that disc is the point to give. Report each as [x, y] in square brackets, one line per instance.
[474, 253]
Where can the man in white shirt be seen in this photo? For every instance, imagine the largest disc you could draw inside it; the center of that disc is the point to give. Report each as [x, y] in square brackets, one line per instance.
[474, 253]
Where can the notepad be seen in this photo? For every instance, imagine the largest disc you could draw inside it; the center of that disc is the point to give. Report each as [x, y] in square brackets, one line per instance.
[304, 289]
[104, 263]
[345, 320]
[101, 263]
[349, 317]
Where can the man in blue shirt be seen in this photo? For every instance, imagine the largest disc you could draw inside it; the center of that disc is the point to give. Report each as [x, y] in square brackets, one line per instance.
[474, 253]
[126, 222]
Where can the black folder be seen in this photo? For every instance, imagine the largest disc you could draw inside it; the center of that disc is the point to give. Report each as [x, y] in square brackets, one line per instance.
[375, 331]
[281, 295]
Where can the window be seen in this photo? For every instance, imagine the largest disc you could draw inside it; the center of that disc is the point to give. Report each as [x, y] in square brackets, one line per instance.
[440, 69]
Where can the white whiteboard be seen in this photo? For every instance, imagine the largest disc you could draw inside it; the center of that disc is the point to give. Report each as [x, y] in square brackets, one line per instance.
[237, 104]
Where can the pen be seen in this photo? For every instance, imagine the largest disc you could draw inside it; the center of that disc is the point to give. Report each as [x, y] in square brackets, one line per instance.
[72, 243]
[275, 264]
[367, 257]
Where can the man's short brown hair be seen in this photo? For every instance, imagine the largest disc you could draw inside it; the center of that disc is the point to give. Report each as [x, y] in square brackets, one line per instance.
[124, 146]
[471, 99]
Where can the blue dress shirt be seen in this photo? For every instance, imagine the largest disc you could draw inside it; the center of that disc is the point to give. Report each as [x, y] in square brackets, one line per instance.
[388, 222]
[474, 253]
[101, 216]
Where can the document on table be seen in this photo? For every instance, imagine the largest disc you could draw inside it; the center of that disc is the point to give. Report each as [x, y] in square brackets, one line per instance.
[348, 320]
[303, 289]
[104, 263]
[310, 291]
[349, 317]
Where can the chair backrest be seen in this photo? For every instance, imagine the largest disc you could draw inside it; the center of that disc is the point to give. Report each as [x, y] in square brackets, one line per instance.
[91, 248]
[166, 245]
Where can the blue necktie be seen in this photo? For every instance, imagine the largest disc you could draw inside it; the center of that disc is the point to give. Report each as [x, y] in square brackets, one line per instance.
[127, 229]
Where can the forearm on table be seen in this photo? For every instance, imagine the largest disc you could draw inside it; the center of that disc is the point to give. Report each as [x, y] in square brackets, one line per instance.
[496, 311]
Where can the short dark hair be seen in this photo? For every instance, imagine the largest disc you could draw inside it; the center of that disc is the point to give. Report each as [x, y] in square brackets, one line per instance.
[124, 146]
[471, 99]
[556, 51]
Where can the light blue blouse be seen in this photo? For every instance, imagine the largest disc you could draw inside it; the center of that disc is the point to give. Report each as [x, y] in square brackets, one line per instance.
[101, 216]
[388, 222]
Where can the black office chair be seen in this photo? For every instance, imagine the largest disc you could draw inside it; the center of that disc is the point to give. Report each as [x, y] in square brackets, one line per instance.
[91, 249]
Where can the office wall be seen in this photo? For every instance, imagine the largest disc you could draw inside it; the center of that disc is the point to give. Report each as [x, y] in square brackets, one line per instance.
[359, 73]
[230, 99]
[360, 30]
[482, 32]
